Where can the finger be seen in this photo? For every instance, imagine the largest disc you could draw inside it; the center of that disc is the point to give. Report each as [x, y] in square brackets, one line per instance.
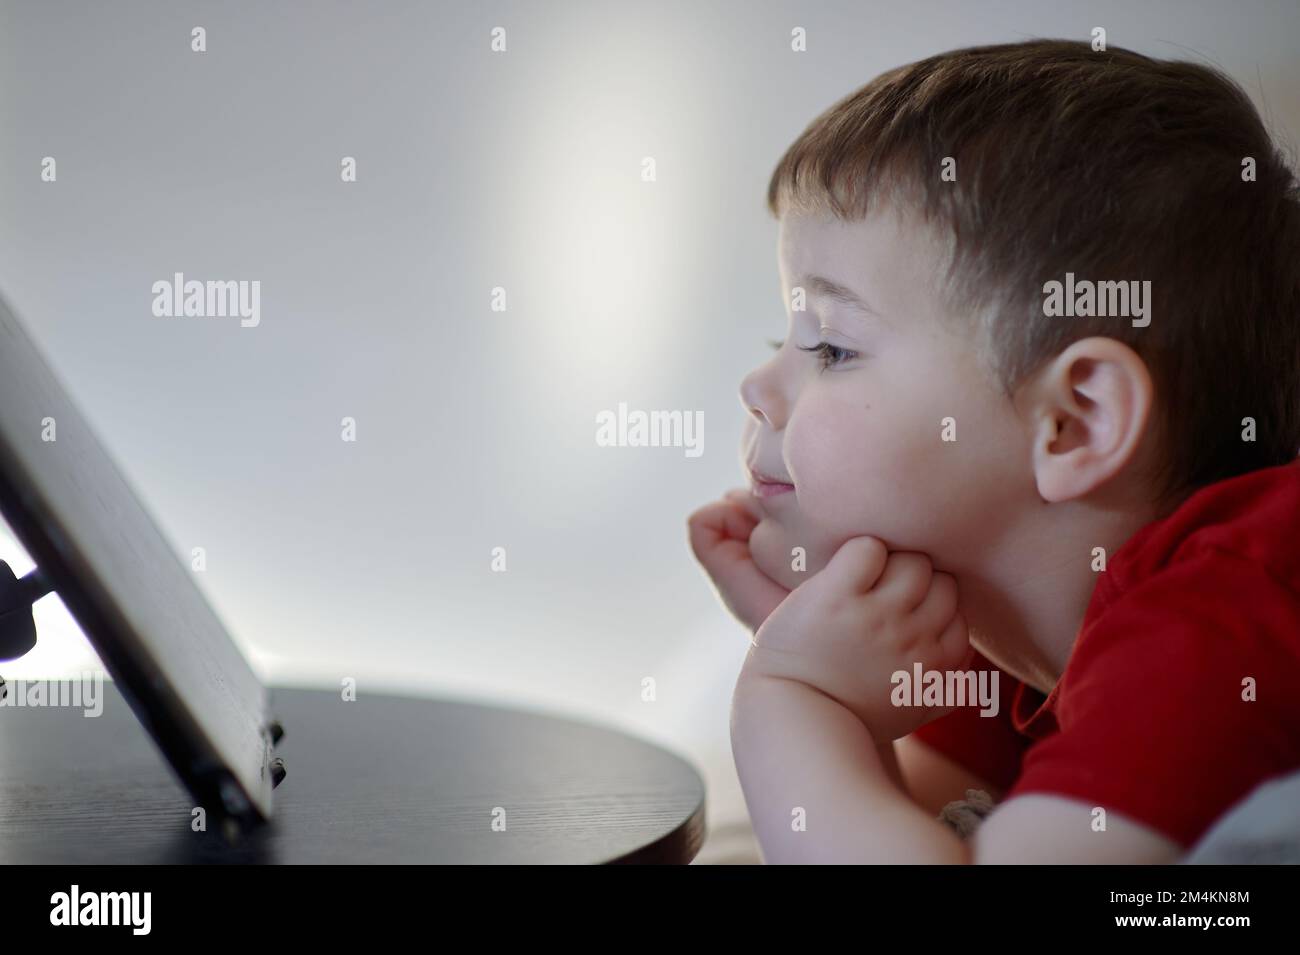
[745, 590]
[716, 522]
[719, 534]
[747, 501]
[905, 580]
[955, 650]
[749, 593]
[856, 566]
[936, 609]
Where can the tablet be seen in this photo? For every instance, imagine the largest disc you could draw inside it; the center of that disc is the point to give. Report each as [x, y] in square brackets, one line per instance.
[126, 585]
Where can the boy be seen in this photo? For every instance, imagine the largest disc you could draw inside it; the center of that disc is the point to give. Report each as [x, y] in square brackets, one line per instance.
[1039, 399]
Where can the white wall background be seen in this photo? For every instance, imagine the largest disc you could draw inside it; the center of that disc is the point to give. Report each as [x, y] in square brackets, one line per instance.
[475, 428]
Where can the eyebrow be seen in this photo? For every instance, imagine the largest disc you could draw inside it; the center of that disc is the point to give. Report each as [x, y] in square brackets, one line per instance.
[823, 287]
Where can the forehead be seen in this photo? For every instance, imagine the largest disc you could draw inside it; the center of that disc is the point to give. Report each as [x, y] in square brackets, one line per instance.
[890, 260]
[845, 252]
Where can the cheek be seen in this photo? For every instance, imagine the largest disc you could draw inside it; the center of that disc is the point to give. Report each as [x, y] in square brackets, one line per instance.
[837, 452]
[822, 449]
[864, 466]
[823, 443]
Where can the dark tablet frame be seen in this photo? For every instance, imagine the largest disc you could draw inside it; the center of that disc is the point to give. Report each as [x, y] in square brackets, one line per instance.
[222, 754]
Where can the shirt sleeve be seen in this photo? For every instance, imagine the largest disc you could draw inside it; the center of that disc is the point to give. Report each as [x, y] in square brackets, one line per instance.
[988, 746]
[1181, 698]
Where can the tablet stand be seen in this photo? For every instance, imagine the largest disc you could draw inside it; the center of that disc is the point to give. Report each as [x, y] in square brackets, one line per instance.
[18, 634]
[17, 627]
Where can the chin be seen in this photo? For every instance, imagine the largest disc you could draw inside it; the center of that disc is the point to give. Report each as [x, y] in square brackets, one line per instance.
[771, 545]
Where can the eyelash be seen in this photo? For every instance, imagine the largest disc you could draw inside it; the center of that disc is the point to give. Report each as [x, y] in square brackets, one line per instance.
[827, 354]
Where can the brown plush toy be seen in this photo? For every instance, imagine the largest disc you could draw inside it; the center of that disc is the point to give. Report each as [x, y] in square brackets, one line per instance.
[964, 815]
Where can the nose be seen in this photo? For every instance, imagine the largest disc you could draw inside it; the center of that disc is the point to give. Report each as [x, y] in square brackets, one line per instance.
[761, 396]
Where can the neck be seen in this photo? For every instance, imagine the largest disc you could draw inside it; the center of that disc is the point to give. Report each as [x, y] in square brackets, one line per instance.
[1025, 603]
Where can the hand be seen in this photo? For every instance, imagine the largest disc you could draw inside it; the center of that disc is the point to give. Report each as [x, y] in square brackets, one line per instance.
[719, 534]
[847, 629]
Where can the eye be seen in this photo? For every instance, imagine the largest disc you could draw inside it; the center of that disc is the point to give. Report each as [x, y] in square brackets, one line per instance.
[829, 354]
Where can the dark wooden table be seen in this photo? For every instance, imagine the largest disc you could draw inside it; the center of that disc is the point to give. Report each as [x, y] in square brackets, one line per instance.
[384, 779]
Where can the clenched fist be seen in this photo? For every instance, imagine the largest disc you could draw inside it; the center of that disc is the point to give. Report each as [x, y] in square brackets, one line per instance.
[719, 534]
[868, 615]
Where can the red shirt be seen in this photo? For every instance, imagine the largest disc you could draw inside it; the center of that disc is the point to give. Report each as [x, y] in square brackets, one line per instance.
[1148, 719]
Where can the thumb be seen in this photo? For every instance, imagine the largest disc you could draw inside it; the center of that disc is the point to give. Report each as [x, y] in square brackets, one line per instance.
[856, 566]
[748, 593]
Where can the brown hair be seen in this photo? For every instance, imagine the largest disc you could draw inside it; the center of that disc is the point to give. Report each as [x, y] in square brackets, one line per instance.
[1110, 165]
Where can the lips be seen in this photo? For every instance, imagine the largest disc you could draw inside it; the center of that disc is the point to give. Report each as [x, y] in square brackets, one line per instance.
[766, 485]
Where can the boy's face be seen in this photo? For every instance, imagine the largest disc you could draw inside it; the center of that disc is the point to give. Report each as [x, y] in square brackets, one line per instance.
[862, 440]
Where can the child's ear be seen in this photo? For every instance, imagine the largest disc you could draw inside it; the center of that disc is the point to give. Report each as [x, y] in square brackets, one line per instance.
[1089, 409]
